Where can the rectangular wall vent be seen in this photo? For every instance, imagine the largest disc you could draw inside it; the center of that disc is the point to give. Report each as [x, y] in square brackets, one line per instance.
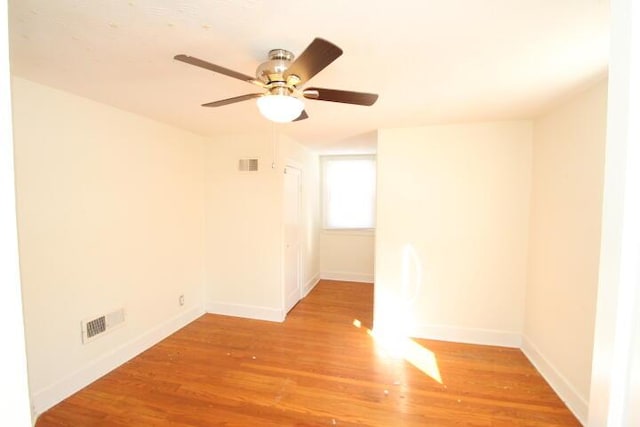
[248, 165]
[97, 326]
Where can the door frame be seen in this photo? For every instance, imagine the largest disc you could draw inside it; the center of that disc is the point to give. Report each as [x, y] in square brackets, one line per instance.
[292, 164]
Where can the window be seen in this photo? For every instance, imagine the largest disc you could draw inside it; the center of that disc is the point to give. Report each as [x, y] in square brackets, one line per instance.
[349, 192]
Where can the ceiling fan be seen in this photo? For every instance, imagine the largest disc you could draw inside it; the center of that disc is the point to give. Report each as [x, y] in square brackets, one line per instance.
[281, 78]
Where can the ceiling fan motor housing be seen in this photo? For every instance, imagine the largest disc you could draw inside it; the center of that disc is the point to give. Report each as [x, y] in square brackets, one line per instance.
[272, 71]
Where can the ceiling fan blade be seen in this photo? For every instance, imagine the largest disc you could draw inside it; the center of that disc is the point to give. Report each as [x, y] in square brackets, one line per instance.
[216, 68]
[232, 100]
[302, 116]
[344, 96]
[314, 59]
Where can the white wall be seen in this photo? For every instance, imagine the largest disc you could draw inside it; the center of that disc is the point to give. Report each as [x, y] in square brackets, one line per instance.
[14, 391]
[564, 249]
[244, 224]
[347, 255]
[452, 231]
[615, 378]
[110, 214]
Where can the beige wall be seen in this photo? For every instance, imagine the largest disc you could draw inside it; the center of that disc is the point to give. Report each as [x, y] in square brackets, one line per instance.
[110, 214]
[244, 224]
[566, 204]
[347, 255]
[452, 231]
[14, 390]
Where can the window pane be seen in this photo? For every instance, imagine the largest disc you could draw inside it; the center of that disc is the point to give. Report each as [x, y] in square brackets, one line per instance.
[349, 192]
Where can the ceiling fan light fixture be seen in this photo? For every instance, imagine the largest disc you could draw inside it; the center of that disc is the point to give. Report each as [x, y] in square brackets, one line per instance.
[281, 79]
[280, 108]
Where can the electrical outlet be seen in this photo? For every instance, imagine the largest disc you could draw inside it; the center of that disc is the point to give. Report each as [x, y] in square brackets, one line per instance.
[181, 300]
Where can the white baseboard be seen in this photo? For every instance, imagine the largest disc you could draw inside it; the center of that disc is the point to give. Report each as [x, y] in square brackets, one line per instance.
[47, 397]
[246, 311]
[311, 283]
[563, 388]
[468, 335]
[346, 276]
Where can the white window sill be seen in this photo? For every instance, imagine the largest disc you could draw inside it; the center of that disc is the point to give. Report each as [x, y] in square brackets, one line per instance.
[349, 231]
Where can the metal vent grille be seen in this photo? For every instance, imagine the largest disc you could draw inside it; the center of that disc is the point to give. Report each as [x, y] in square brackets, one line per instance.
[96, 326]
[248, 165]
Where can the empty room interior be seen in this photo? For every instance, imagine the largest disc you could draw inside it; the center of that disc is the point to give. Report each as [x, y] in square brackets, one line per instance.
[428, 239]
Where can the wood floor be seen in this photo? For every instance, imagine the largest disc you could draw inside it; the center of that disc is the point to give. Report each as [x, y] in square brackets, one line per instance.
[315, 369]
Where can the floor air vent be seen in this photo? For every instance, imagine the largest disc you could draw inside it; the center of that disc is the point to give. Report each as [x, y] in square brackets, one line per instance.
[95, 327]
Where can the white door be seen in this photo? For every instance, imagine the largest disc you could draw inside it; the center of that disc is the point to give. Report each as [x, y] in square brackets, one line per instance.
[292, 247]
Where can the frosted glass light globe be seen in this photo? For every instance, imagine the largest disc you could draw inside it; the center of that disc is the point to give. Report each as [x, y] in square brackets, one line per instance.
[280, 108]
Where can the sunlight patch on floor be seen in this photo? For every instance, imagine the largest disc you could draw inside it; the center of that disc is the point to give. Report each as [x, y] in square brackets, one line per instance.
[398, 347]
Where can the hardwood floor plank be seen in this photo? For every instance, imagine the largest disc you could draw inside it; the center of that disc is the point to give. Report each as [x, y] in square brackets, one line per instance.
[315, 369]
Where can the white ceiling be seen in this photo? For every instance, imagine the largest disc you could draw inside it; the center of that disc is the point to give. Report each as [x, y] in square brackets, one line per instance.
[431, 61]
